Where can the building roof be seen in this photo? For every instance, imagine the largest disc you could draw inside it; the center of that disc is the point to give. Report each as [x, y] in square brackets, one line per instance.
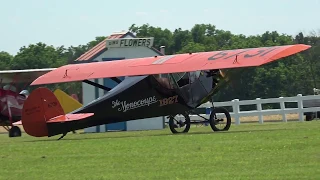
[101, 47]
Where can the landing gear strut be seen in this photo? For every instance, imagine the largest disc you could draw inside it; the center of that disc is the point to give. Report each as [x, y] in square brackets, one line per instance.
[15, 132]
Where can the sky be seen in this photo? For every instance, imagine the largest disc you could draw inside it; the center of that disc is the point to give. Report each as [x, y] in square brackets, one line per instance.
[76, 22]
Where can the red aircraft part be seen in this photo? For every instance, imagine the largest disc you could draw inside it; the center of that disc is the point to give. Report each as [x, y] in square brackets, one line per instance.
[42, 107]
[11, 101]
[170, 64]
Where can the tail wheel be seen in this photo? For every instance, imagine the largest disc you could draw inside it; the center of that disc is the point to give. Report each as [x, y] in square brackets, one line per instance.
[179, 124]
[15, 132]
[217, 123]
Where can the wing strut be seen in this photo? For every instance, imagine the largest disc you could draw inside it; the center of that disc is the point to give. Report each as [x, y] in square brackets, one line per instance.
[97, 85]
[117, 80]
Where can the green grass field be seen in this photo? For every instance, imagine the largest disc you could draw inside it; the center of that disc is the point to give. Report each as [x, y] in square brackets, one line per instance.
[248, 151]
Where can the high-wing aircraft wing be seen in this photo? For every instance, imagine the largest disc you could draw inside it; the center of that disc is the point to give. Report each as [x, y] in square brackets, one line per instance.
[170, 64]
[22, 76]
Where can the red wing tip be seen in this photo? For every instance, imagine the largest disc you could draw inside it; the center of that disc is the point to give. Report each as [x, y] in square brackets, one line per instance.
[69, 117]
[304, 45]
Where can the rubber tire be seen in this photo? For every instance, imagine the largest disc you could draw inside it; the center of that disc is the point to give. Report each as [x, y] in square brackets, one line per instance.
[310, 116]
[14, 131]
[220, 110]
[187, 128]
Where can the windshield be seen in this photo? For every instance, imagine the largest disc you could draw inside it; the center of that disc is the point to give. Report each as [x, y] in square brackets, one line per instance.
[177, 80]
[178, 76]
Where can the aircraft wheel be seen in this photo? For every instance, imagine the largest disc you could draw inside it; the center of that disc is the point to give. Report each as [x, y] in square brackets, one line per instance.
[309, 116]
[15, 132]
[178, 123]
[215, 122]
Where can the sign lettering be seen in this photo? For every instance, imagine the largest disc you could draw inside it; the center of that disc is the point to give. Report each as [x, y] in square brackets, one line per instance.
[124, 106]
[169, 100]
[251, 53]
[130, 42]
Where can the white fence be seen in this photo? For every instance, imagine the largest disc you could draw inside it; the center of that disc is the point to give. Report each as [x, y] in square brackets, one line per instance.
[236, 113]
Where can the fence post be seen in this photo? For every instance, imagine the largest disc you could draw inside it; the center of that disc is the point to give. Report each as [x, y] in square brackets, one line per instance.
[300, 107]
[236, 111]
[259, 109]
[283, 107]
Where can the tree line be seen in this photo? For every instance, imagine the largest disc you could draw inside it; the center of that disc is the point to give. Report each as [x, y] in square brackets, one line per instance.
[288, 77]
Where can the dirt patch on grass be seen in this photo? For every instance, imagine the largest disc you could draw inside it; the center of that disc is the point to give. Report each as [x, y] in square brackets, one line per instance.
[268, 118]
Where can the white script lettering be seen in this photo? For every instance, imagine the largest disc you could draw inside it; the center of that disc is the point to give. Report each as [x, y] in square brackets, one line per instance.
[124, 106]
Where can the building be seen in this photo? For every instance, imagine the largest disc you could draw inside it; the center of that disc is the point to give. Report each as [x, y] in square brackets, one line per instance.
[118, 46]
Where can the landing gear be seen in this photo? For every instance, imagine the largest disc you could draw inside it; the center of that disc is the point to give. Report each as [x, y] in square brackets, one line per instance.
[182, 123]
[214, 121]
[15, 132]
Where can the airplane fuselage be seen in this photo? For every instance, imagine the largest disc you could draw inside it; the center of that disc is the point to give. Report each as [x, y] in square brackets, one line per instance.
[135, 98]
[141, 97]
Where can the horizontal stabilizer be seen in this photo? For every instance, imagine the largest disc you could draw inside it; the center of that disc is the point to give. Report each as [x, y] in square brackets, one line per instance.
[63, 118]
[69, 117]
[17, 123]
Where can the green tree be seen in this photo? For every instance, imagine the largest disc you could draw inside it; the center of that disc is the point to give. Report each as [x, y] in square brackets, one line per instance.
[180, 39]
[38, 56]
[5, 60]
[162, 37]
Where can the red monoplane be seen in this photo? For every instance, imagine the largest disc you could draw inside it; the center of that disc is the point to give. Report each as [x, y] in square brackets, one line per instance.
[153, 87]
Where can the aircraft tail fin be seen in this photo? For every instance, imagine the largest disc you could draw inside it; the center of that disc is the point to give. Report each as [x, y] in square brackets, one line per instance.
[42, 107]
[67, 102]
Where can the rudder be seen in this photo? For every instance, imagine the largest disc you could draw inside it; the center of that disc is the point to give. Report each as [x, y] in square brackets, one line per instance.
[40, 106]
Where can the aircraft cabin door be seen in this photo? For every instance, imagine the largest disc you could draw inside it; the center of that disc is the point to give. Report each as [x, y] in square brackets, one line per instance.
[194, 86]
[200, 86]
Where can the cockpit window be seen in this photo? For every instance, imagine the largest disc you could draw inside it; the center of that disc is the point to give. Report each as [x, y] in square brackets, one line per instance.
[194, 75]
[165, 80]
[178, 76]
[177, 80]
